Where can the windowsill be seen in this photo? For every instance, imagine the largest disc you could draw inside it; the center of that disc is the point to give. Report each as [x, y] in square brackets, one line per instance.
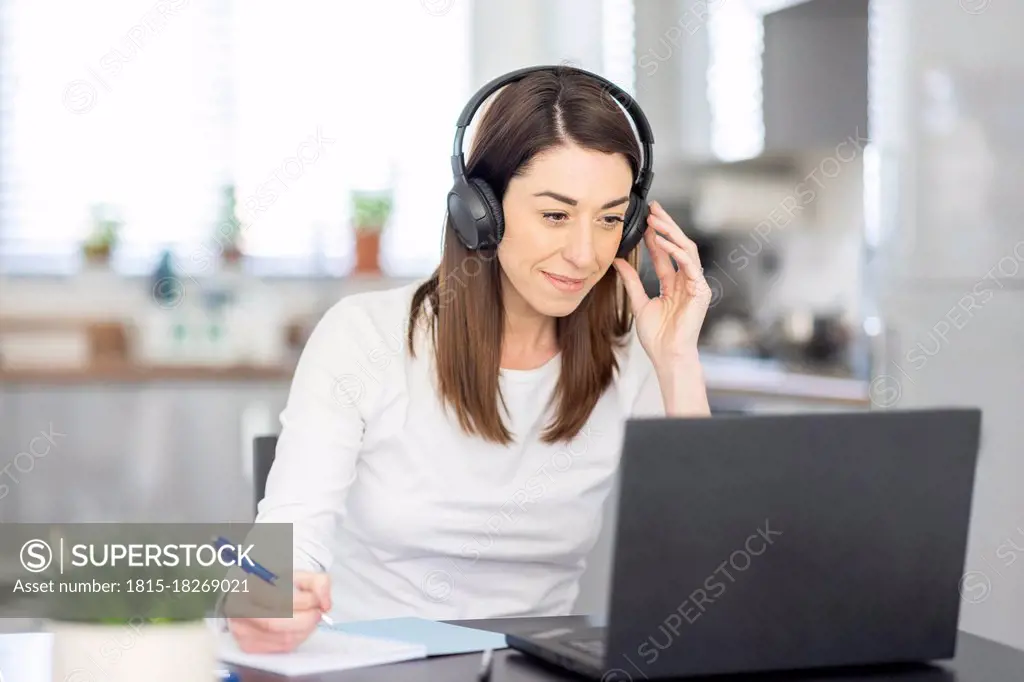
[132, 278]
[38, 268]
[147, 374]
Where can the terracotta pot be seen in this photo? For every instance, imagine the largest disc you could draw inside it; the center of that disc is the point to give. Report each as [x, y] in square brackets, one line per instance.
[367, 252]
[231, 254]
[97, 257]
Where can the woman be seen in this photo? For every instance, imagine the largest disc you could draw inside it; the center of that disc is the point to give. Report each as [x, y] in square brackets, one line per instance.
[447, 446]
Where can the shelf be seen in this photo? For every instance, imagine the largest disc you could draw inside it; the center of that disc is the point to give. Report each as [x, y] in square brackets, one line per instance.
[144, 374]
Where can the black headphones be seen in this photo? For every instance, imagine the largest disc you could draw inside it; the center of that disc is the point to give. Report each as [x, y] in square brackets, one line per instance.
[473, 206]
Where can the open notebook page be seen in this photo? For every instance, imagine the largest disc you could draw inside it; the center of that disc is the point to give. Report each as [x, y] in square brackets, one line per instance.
[324, 651]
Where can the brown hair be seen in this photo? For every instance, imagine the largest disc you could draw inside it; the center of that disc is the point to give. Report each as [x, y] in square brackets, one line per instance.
[461, 304]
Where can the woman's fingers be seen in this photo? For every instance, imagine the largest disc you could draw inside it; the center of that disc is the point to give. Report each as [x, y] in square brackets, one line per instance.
[299, 622]
[661, 221]
[311, 596]
[317, 584]
[304, 601]
[261, 599]
[634, 287]
[271, 635]
[692, 271]
[662, 263]
[253, 639]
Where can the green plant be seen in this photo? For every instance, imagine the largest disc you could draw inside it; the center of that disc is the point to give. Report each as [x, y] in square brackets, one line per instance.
[151, 595]
[106, 229]
[130, 589]
[371, 210]
[229, 228]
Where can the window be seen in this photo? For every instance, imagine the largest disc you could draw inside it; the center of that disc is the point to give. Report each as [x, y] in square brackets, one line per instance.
[154, 110]
[736, 41]
[618, 43]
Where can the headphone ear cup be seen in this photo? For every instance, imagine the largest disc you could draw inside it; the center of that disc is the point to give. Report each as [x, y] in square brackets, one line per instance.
[635, 224]
[493, 207]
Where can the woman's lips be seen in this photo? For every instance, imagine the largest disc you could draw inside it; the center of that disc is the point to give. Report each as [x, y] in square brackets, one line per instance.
[564, 283]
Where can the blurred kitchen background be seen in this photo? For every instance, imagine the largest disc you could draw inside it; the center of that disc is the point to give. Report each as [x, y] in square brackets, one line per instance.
[186, 187]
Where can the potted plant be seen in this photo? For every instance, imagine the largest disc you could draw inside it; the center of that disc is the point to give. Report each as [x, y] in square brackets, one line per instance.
[102, 240]
[146, 633]
[229, 229]
[370, 211]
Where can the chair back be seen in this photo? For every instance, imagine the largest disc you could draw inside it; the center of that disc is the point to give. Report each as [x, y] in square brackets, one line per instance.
[263, 450]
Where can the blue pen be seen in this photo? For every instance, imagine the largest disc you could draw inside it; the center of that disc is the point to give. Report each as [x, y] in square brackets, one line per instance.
[264, 574]
[247, 564]
[227, 676]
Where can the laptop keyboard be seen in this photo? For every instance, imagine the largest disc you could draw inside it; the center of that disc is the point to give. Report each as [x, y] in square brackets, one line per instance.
[594, 647]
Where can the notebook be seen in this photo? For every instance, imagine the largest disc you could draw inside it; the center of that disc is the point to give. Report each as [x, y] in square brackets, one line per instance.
[324, 651]
[440, 639]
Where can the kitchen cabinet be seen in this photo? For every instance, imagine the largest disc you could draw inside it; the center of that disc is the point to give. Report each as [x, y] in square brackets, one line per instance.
[755, 83]
[165, 451]
[815, 75]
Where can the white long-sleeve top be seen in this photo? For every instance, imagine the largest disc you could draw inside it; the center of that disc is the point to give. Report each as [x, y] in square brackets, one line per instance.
[409, 514]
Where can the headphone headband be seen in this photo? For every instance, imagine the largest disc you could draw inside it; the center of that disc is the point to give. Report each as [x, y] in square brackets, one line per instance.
[643, 127]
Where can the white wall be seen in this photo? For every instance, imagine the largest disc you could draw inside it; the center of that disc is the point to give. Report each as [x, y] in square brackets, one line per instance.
[671, 86]
[507, 36]
[512, 35]
[947, 119]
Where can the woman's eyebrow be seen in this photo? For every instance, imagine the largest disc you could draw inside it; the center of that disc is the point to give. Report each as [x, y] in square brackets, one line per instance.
[616, 202]
[572, 202]
[557, 197]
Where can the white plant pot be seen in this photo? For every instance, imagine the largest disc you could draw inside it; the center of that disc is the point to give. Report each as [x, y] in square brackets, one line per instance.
[130, 652]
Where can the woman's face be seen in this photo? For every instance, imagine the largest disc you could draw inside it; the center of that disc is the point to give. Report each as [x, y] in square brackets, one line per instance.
[563, 223]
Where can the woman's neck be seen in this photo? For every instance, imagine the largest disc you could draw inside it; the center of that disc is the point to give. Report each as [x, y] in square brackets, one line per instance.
[528, 332]
[529, 338]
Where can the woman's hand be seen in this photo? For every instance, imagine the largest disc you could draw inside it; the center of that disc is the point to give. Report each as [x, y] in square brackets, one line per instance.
[668, 326]
[311, 598]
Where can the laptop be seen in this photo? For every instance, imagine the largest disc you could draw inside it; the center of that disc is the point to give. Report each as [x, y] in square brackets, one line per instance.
[764, 543]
